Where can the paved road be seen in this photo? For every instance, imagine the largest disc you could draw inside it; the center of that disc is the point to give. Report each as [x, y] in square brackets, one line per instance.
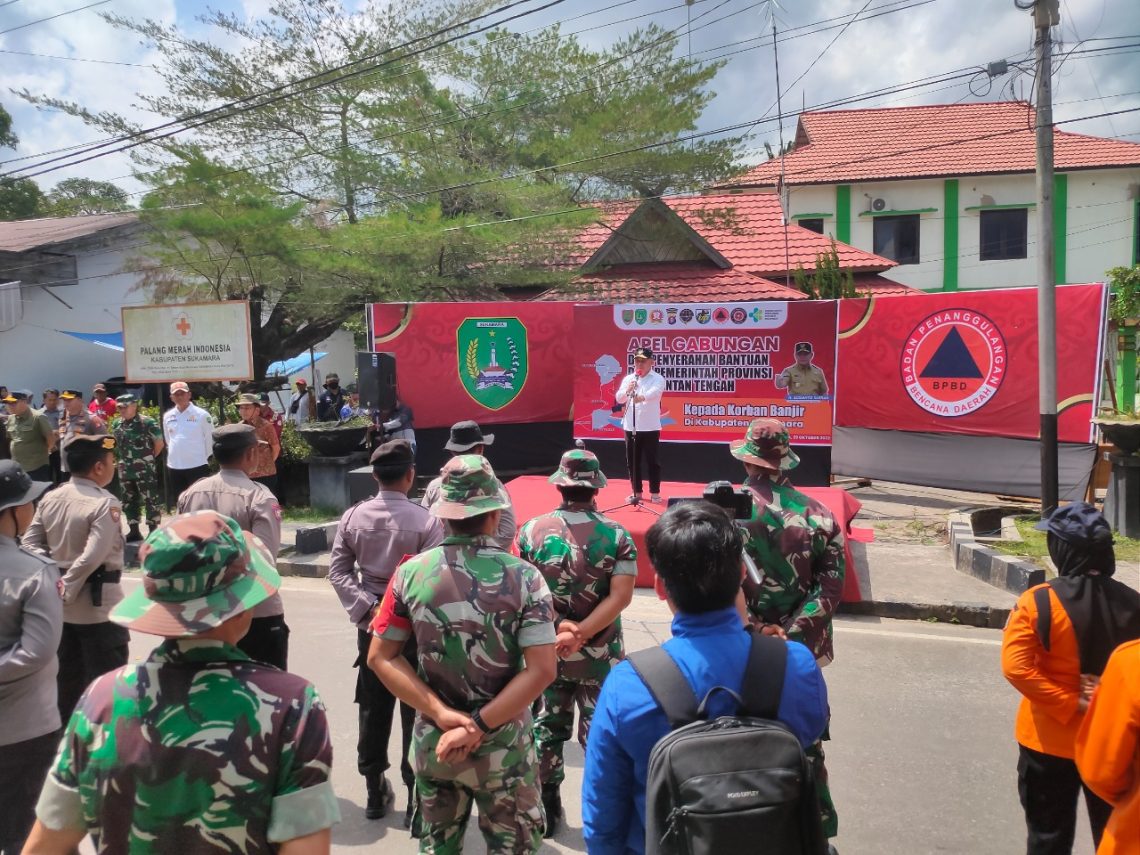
[923, 759]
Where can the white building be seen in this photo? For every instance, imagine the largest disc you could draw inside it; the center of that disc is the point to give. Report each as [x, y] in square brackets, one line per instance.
[949, 192]
[63, 282]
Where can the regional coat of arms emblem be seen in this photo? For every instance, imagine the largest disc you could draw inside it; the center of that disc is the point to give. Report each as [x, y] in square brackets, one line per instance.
[492, 359]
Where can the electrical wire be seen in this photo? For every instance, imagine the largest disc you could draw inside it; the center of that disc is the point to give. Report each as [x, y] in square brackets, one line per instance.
[53, 17]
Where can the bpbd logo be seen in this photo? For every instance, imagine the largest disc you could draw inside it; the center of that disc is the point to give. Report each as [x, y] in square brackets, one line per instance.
[954, 362]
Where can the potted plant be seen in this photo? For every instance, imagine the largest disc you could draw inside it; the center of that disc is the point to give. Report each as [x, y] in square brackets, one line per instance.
[1120, 428]
[335, 439]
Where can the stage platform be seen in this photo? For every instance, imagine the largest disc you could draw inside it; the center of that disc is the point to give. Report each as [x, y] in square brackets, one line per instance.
[533, 495]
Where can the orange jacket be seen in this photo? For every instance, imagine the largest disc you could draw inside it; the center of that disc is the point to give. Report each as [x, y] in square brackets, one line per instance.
[1050, 681]
[1108, 749]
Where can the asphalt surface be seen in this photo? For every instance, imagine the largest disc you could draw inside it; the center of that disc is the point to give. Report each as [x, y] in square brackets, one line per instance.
[922, 759]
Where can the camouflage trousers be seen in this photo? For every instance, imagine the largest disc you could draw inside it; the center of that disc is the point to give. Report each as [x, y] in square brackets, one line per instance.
[139, 492]
[554, 723]
[500, 776]
[827, 812]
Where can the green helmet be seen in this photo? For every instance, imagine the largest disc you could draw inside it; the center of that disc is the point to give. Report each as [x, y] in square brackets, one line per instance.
[579, 468]
[200, 570]
[469, 488]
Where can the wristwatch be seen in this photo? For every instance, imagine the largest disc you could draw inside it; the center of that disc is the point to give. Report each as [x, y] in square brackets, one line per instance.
[477, 717]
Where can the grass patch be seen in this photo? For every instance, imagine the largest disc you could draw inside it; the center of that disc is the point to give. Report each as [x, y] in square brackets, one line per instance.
[1033, 548]
[309, 515]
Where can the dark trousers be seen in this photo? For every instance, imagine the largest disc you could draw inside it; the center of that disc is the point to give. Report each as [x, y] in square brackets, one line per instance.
[643, 444]
[377, 705]
[41, 473]
[87, 650]
[1049, 787]
[179, 479]
[56, 470]
[23, 768]
[267, 641]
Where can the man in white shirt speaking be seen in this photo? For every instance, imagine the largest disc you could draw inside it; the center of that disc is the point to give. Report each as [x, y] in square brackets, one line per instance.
[641, 392]
[189, 434]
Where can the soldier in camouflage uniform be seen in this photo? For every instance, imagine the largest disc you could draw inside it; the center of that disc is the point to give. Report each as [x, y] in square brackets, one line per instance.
[483, 624]
[139, 440]
[197, 748]
[590, 564]
[799, 549]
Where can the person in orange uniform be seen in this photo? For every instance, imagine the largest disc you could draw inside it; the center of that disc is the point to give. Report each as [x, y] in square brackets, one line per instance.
[1108, 749]
[1056, 644]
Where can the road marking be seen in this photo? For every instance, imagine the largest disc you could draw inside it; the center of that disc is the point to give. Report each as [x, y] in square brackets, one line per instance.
[844, 629]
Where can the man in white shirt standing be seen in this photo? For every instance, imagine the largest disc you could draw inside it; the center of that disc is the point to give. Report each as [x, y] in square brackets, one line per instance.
[189, 432]
[641, 392]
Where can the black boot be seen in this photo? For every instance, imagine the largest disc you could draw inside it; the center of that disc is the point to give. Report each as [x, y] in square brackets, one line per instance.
[380, 796]
[134, 535]
[552, 806]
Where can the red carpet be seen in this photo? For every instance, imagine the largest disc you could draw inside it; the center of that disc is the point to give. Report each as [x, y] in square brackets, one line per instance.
[532, 496]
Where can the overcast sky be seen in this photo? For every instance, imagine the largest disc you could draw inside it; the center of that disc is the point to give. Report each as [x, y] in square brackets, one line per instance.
[920, 38]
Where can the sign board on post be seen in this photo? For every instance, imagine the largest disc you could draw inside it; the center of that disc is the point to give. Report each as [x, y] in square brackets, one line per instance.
[192, 342]
[724, 364]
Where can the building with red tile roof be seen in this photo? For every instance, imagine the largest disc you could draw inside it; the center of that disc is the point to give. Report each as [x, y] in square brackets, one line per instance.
[948, 191]
[720, 246]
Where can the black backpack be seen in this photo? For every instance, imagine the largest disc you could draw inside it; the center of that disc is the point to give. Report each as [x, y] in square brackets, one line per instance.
[738, 784]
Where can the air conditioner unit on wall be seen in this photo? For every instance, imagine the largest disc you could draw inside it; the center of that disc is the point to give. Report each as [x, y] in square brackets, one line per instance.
[878, 204]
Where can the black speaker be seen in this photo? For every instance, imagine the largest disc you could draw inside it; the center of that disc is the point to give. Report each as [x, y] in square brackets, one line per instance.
[376, 380]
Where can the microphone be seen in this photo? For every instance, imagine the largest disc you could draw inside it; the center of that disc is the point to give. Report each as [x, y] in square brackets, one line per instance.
[579, 444]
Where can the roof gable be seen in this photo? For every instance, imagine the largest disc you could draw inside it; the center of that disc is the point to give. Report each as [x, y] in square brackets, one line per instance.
[654, 234]
[929, 141]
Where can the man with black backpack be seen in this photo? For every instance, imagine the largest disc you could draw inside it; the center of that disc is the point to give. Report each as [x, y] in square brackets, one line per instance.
[697, 746]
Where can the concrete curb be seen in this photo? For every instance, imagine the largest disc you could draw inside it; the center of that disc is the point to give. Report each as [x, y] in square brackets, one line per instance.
[314, 566]
[975, 559]
[964, 614]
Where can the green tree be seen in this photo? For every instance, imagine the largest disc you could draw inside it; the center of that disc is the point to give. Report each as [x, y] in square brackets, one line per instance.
[84, 196]
[828, 281]
[20, 198]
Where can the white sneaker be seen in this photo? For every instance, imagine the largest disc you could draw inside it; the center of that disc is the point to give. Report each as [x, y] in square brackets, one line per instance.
[633, 497]
[655, 498]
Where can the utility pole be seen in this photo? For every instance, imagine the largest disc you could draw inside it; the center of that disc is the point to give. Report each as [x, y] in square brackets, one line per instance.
[1046, 14]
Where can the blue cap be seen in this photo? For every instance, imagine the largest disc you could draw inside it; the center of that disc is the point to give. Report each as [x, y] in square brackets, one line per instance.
[1080, 524]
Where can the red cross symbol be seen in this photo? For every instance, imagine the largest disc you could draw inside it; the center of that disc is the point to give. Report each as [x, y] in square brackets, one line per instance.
[183, 325]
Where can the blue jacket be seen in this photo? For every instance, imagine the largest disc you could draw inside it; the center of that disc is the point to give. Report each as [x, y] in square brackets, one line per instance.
[711, 650]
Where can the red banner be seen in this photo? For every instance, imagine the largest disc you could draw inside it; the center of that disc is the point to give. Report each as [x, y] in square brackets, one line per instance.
[724, 364]
[493, 362]
[967, 362]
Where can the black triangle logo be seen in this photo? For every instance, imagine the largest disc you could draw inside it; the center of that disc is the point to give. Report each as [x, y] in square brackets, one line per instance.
[952, 360]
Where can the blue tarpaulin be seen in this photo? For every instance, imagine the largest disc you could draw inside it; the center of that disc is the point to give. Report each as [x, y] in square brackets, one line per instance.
[109, 340]
[289, 367]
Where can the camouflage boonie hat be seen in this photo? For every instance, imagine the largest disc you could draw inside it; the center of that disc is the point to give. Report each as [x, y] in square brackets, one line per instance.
[248, 398]
[579, 468]
[766, 444]
[200, 570]
[469, 488]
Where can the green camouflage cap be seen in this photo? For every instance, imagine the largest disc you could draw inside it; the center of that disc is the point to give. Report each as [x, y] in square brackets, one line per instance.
[579, 468]
[126, 399]
[469, 488]
[766, 444]
[200, 570]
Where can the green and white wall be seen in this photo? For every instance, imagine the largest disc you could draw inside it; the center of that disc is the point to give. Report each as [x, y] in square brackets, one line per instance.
[1095, 222]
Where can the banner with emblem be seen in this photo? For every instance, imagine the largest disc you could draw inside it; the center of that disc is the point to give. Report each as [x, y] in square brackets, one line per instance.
[724, 364]
[497, 363]
[967, 362]
[191, 341]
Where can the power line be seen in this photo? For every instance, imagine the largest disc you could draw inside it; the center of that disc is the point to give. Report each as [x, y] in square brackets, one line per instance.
[52, 17]
[512, 107]
[318, 80]
[75, 58]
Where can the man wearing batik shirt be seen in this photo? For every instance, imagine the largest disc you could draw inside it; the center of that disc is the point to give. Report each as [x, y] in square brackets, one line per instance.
[483, 624]
[197, 748]
[799, 549]
[590, 564]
